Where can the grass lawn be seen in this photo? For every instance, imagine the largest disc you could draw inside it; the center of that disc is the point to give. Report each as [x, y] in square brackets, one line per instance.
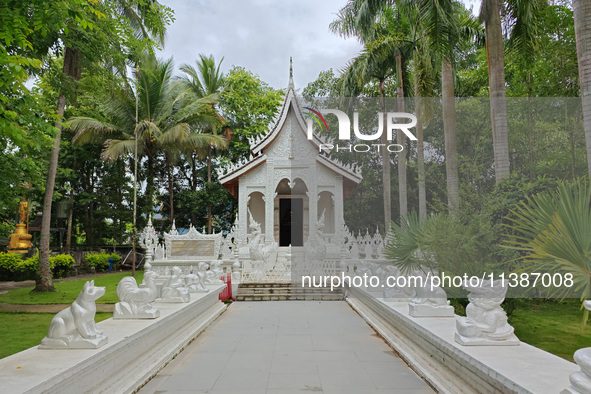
[20, 331]
[67, 291]
[551, 325]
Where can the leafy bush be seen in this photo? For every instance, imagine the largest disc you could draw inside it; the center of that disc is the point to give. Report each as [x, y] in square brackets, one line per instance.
[9, 264]
[6, 228]
[552, 229]
[100, 261]
[443, 243]
[13, 267]
[61, 265]
[28, 268]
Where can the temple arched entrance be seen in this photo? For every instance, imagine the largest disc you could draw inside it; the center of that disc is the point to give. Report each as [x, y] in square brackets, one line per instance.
[291, 207]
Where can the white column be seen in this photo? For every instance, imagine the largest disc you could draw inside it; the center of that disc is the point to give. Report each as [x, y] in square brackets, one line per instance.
[339, 210]
[242, 212]
[269, 201]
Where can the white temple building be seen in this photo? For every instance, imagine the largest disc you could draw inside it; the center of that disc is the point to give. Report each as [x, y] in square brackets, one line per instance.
[290, 211]
[286, 185]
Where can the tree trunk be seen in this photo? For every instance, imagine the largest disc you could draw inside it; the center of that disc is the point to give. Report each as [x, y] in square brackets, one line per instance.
[498, 96]
[386, 172]
[43, 281]
[400, 139]
[170, 189]
[208, 184]
[150, 185]
[582, 13]
[70, 218]
[421, 161]
[449, 129]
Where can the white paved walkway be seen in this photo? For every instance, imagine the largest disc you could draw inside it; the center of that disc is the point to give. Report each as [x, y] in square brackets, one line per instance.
[288, 347]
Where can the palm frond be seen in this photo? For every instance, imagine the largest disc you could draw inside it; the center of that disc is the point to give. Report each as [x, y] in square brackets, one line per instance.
[88, 130]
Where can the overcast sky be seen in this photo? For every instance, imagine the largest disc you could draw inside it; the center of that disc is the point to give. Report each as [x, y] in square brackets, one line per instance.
[261, 35]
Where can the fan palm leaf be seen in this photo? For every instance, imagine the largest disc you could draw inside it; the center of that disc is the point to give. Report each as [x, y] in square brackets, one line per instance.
[552, 230]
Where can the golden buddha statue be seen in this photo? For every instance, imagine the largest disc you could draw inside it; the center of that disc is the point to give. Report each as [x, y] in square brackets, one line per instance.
[20, 240]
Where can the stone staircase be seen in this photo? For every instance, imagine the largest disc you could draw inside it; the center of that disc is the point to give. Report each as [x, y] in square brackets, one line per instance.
[285, 292]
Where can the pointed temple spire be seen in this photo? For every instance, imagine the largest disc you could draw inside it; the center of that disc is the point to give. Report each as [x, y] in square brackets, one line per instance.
[290, 85]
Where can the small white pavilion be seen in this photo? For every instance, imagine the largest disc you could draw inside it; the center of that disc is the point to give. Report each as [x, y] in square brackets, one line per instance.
[286, 185]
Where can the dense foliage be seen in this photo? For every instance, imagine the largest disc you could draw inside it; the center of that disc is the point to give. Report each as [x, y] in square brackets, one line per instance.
[13, 267]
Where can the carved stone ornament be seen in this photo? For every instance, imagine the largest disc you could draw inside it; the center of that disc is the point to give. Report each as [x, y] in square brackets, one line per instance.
[136, 302]
[581, 380]
[430, 301]
[485, 322]
[174, 288]
[74, 327]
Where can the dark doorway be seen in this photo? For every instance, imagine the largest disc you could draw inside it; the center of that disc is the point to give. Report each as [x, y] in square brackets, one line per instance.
[291, 222]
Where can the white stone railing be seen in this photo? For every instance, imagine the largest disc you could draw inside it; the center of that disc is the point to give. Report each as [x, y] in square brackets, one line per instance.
[427, 344]
[135, 352]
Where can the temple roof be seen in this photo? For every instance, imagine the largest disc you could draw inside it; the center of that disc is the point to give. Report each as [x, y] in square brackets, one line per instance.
[260, 143]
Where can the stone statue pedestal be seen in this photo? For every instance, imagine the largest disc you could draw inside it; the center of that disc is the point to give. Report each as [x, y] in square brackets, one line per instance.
[581, 380]
[183, 298]
[425, 310]
[123, 311]
[75, 343]
[481, 341]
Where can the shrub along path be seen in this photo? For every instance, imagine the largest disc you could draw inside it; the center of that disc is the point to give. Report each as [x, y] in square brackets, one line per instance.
[7, 286]
[48, 308]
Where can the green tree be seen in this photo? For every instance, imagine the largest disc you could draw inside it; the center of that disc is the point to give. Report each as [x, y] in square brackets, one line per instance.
[248, 105]
[86, 33]
[523, 17]
[582, 14]
[206, 80]
[164, 120]
[389, 40]
[552, 230]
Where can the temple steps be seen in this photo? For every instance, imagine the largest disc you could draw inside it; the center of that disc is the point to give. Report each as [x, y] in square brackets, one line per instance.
[285, 292]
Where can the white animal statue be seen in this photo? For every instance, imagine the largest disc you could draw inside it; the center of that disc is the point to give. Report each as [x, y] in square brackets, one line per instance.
[136, 302]
[363, 268]
[257, 248]
[195, 281]
[430, 300]
[74, 327]
[485, 322]
[581, 380]
[174, 290]
[215, 272]
[393, 292]
[316, 249]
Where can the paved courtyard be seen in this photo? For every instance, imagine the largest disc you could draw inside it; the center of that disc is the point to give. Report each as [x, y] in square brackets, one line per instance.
[288, 347]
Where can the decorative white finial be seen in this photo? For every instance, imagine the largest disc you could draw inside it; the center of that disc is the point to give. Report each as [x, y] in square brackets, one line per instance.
[291, 86]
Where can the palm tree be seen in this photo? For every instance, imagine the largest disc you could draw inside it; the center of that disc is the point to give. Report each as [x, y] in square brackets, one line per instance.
[424, 81]
[582, 14]
[522, 14]
[148, 22]
[439, 29]
[164, 120]
[553, 230]
[205, 80]
[372, 64]
[384, 40]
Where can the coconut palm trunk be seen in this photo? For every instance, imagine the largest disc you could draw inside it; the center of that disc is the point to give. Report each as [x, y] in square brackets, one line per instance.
[386, 171]
[402, 185]
[449, 129]
[208, 183]
[170, 179]
[421, 161]
[582, 14]
[498, 96]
